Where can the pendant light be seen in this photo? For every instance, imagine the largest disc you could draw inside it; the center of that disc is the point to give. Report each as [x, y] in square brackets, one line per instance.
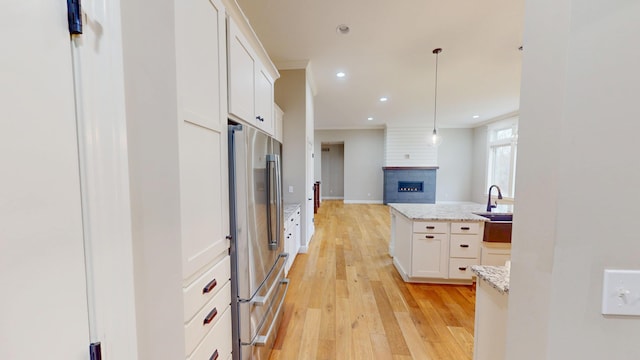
[436, 139]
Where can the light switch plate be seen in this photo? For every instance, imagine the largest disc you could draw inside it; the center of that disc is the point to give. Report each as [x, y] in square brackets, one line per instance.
[621, 292]
[290, 188]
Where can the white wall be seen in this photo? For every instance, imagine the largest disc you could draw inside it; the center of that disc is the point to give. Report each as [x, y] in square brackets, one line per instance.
[455, 161]
[479, 164]
[363, 161]
[577, 144]
[407, 146]
[291, 94]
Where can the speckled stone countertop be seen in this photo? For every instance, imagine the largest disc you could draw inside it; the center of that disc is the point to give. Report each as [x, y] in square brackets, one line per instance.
[496, 276]
[290, 209]
[448, 212]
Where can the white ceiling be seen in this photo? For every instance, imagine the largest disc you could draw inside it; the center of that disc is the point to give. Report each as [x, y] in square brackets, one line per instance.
[388, 52]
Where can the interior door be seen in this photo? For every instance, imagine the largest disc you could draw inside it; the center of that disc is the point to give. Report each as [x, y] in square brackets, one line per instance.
[43, 306]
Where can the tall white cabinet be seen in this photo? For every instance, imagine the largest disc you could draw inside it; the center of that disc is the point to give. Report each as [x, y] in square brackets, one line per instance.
[178, 157]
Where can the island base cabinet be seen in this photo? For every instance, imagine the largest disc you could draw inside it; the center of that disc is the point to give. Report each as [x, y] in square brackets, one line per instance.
[430, 255]
[461, 268]
[495, 254]
[490, 330]
[435, 251]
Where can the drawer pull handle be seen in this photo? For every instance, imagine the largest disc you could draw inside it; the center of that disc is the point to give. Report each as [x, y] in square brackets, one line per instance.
[465, 228]
[210, 317]
[431, 227]
[429, 236]
[214, 356]
[210, 286]
[464, 245]
[462, 268]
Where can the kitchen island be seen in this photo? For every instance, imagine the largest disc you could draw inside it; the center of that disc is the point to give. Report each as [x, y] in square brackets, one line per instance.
[490, 330]
[437, 243]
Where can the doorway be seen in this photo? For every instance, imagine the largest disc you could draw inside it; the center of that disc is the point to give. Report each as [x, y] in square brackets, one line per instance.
[332, 163]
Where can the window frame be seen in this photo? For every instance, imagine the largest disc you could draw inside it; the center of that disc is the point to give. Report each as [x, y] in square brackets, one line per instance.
[493, 143]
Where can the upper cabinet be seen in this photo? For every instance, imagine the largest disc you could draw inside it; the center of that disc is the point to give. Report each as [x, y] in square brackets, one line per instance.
[278, 122]
[250, 82]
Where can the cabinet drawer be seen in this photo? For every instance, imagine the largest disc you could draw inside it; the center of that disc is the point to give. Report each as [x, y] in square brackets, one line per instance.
[461, 268]
[217, 340]
[465, 246]
[207, 318]
[430, 227]
[465, 228]
[205, 287]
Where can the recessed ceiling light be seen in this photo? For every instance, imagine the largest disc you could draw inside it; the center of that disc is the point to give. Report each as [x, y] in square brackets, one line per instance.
[476, 116]
[343, 29]
[383, 99]
[369, 118]
[341, 74]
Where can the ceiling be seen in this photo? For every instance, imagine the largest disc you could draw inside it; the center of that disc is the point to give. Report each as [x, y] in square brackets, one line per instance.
[388, 52]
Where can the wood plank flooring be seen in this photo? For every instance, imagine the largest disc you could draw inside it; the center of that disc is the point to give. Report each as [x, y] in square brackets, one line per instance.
[347, 301]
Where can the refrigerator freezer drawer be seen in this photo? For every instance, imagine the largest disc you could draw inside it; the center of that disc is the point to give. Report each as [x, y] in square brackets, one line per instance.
[262, 344]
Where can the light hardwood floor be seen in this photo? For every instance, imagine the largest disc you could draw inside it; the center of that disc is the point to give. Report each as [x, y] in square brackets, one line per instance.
[347, 301]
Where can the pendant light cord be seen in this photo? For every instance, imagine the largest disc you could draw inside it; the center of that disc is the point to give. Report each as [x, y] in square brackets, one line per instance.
[435, 96]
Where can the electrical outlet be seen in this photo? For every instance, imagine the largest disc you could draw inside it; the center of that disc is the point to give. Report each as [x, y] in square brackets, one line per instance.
[290, 188]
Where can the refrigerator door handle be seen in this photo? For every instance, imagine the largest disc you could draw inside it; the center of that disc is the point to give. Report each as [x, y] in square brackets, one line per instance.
[279, 204]
[273, 165]
[263, 339]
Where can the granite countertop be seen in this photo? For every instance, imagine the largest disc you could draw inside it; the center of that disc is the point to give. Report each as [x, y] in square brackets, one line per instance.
[496, 276]
[289, 209]
[448, 212]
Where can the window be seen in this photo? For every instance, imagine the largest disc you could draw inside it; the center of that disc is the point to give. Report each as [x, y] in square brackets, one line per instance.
[502, 143]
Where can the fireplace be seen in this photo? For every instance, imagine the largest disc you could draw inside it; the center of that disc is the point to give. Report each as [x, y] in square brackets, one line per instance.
[410, 185]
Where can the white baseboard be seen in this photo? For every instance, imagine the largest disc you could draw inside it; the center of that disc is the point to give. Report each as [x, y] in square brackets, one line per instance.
[332, 198]
[363, 202]
[303, 249]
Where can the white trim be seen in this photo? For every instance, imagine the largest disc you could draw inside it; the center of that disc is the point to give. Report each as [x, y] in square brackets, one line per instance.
[104, 174]
[332, 198]
[303, 249]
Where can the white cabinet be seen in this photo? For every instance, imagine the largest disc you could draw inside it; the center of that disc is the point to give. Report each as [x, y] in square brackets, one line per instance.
[430, 250]
[204, 218]
[292, 236]
[495, 254]
[278, 123]
[264, 100]
[435, 251]
[181, 249]
[250, 84]
[466, 238]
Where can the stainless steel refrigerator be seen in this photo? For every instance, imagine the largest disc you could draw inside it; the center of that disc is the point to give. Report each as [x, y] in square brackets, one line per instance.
[258, 284]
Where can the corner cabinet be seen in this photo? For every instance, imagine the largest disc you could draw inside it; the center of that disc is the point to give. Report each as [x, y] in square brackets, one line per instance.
[435, 251]
[250, 84]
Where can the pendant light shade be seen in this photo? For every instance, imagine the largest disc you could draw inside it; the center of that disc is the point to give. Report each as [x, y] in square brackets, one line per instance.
[436, 138]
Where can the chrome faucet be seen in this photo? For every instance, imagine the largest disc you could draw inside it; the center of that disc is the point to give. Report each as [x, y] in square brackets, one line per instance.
[489, 205]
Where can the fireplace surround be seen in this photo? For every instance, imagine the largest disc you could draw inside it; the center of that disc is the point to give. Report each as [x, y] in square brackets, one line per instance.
[409, 184]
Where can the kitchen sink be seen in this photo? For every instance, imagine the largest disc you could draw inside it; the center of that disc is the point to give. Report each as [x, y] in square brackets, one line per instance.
[498, 228]
[497, 217]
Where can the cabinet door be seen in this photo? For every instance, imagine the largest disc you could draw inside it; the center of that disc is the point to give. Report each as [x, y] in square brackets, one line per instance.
[430, 255]
[264, 101]
[242, 76]
[278, 123]
[201, 79]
